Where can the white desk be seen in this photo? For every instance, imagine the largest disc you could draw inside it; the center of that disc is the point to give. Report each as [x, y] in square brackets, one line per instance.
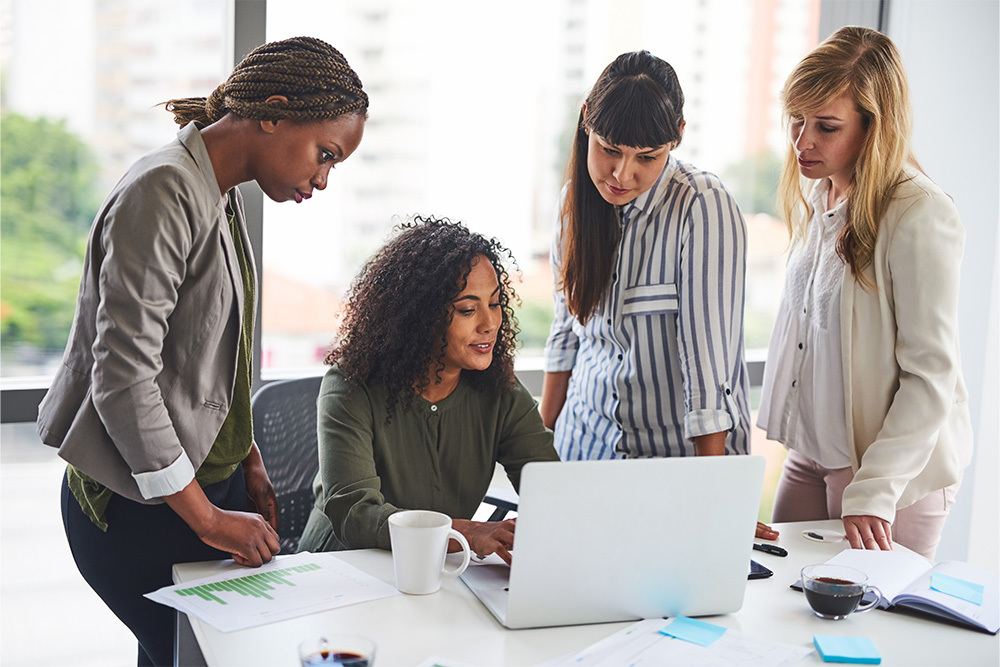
[453, 624]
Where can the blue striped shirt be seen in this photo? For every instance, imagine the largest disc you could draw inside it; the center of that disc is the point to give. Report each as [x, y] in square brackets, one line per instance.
[661, 360]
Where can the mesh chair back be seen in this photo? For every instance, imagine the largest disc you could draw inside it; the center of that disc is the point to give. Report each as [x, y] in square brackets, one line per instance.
[284, 427]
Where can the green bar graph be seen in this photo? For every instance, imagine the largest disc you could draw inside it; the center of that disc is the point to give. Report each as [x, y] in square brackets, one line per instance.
[253, 585]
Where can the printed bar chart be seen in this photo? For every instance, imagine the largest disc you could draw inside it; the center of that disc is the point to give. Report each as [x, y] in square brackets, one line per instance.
[254, 585]
[287, 587]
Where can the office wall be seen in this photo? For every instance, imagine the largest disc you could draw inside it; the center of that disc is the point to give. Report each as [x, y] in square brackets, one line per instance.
[951, 51]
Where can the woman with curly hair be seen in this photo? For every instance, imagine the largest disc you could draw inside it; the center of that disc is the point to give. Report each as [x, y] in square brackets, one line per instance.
[421, 401]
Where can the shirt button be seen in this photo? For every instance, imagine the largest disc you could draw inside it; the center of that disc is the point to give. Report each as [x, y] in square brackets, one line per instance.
[614, 396]
[619, 357]
[793, 383]
[800, 346]
[609, 321]
[434, 408]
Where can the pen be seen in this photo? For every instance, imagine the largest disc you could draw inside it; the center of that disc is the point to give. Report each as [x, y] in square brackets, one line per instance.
[770, 549]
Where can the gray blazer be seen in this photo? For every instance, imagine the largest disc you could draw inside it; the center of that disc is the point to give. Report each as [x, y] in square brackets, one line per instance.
[147, 377]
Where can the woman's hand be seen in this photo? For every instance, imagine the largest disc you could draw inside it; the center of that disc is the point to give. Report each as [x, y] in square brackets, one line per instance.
[246, 536]
[259, 488]
[487, 537]
[868, 532]
[765, 532]
[554, 388]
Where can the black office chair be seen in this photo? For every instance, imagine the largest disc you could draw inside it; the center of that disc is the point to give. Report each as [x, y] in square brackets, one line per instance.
[503, 499]
[284, 427]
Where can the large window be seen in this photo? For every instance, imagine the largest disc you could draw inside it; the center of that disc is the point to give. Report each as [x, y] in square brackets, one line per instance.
[81, 79]
[472, 110]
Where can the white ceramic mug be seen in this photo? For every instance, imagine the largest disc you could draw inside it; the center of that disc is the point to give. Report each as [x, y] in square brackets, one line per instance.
[419, 546]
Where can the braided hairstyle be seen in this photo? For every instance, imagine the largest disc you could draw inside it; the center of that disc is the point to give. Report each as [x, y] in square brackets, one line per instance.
[314, 76]
[395, 327]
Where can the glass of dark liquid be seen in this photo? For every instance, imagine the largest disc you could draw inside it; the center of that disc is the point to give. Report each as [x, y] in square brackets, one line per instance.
[835, 591]
[340, 650]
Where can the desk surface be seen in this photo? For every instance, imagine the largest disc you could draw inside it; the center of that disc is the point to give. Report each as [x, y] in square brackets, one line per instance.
[452, 624]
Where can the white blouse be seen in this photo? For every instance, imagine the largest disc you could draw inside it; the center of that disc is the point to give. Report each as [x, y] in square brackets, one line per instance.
[802, 400]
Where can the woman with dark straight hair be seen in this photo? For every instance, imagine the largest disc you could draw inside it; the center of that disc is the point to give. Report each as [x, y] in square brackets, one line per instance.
[645, 354]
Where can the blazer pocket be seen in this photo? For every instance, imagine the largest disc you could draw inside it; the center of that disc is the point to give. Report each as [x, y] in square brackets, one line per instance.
[650, 299]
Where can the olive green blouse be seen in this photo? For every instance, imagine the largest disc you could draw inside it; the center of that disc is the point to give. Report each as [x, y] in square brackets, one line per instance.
[435, 456]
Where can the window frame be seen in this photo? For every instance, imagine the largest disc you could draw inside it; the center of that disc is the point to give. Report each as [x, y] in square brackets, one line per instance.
[20, 397]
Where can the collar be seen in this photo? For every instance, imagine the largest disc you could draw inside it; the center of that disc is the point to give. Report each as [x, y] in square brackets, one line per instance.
[817, 199]
[651, 197]
[190, 138]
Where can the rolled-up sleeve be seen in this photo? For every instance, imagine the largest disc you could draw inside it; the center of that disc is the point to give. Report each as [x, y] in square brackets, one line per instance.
[146, 239]
[710, 311]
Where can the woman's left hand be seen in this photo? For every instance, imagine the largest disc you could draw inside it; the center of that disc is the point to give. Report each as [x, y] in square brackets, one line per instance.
[488, 537]
[259, 488]
[868, 532]
[765, 532]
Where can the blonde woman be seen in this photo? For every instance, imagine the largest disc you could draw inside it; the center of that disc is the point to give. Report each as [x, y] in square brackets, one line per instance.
[863, 382]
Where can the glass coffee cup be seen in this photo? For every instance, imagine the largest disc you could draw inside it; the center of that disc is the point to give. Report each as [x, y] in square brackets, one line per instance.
[337, 650]
[836, 591]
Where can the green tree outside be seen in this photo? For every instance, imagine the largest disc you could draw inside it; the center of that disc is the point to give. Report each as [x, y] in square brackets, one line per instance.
[48, 199]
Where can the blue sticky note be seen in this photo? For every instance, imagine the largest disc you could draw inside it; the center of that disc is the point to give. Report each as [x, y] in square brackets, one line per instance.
[959, 588]
[858, 650]
[694, 631]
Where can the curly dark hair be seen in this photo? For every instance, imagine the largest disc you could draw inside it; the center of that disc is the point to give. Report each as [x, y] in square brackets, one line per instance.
[400, 305]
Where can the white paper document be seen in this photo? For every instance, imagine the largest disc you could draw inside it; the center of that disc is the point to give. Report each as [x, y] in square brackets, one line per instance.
[287, 587]
[642, 645]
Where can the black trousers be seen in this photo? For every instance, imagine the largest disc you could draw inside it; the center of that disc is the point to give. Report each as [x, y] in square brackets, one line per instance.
[135, 557]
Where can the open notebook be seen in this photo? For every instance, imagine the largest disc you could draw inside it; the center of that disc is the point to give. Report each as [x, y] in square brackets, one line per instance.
[952, 590]
[600, 541]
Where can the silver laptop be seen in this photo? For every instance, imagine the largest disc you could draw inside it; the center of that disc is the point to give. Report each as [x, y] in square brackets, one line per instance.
[601, 541]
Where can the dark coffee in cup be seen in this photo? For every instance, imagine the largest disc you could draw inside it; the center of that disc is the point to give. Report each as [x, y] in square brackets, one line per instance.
[836, 600]
[337, 658]
[834, 591]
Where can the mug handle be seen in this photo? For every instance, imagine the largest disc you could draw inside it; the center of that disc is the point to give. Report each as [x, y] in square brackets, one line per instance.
[874, 603]
[466, 554]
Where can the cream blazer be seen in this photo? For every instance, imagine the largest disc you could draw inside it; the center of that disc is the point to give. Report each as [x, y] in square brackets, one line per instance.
[147, 377]
[905, 400]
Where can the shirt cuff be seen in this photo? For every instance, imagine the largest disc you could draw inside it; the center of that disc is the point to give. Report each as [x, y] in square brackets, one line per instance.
[703, 422]
[166, 481]
[558, 360]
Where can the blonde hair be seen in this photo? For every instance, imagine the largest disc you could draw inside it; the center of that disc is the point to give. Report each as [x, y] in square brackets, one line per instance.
[314, 76]
[865, 65]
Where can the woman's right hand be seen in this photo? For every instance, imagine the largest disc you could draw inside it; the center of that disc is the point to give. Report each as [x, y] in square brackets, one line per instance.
[487, 537]
[246, 536]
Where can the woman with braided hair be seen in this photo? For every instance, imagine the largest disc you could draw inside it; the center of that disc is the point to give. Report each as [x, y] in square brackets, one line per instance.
[151, 405]
[421, 401]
